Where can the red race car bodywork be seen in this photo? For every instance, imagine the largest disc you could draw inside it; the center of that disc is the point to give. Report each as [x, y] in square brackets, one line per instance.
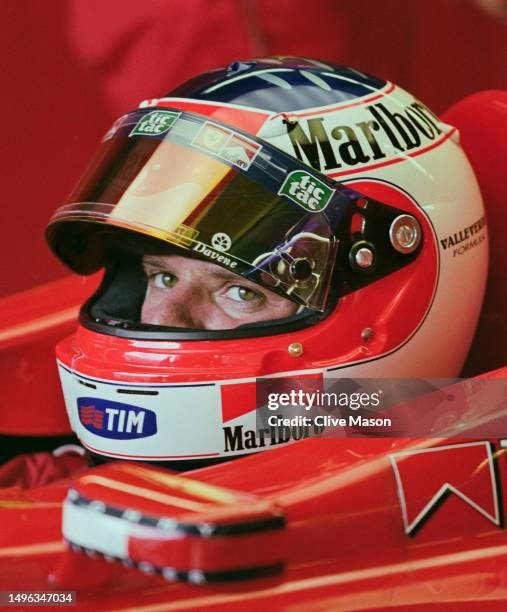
[321, 524]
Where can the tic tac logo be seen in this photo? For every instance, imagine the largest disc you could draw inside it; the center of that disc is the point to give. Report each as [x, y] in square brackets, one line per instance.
[306, 190]
[154, 123]
[115, 420]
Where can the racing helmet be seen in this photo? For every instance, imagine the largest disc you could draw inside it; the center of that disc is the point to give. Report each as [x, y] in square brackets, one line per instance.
[336, 192]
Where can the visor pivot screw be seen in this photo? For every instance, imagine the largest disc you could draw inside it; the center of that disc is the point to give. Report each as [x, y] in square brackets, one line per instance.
[405, 234]
[364, 258]
[295, 349]
[367, 333]
[301, 269]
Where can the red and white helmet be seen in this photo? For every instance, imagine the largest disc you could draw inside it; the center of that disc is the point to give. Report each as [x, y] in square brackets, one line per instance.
[336, 190]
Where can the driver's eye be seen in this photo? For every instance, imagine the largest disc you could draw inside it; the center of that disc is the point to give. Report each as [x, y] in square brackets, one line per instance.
[164, 280]
[240, 293]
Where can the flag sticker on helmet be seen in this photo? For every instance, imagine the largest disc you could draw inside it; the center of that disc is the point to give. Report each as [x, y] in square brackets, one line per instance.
[234, 148]
[184, 235]
[211, 137]
[241, 151]
[155, 123]
[306, 190]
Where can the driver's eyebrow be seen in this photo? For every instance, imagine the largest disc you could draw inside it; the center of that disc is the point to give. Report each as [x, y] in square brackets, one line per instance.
[153, 261]
[229, 276]
[226, 276]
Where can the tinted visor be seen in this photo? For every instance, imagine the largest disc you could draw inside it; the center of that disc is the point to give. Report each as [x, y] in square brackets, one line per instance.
[215, 193]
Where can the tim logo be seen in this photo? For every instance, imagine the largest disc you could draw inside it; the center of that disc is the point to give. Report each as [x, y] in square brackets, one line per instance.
[115, 420]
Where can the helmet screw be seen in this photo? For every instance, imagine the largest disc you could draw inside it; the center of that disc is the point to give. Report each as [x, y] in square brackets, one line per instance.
[367, 333]
[295, 349]
[364, 258]
[405, 234]
[300, 269]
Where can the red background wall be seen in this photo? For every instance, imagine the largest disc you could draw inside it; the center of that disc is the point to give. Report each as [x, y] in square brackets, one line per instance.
[70, 67]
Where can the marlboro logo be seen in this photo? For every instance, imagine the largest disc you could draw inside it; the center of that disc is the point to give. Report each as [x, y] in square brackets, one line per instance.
[362, 136]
